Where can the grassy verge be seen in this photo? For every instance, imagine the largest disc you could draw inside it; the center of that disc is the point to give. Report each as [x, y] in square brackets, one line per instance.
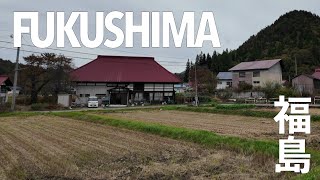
[197, 136]
[240, 112]
[19, 114]
[234, 106]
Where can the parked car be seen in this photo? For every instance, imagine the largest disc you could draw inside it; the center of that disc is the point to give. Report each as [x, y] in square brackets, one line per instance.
[93, 102]
[105, 101]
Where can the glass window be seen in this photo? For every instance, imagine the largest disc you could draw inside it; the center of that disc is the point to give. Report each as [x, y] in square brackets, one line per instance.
[87, 95]
[3, 90]
[159, 87]
[149, 87]
[229, 84]
[151, 96]
[93, 99]
[256, 82]
[256, 73]
[242, 74]
[158, 96]
[100, 95]
[138, 96]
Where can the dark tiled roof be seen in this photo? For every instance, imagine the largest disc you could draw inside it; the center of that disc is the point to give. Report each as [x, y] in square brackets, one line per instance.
[224, 75]
[252, 65]
[124, 69]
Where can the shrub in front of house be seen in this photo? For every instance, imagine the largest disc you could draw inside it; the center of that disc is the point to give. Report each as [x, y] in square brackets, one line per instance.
[39, 106]
[235, 106]
[5, 107]
[45, 107]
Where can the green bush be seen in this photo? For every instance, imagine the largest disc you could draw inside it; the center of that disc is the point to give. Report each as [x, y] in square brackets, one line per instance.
[224, 94]
[5, 107]
[235, 106]
[205, 99]
[274, 90]
[39, 106]
[243, 86]
[287, 92]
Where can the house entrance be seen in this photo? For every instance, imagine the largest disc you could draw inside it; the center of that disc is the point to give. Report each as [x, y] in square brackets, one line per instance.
[119, 96]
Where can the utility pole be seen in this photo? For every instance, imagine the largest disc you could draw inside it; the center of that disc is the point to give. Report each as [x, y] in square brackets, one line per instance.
[196, 83]
[15, 80]
[296, 65]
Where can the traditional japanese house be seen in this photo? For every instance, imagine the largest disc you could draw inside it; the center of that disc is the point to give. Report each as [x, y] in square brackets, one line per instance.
[125, 80]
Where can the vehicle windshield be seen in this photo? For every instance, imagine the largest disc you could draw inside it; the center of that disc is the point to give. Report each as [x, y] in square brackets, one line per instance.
[93, 99]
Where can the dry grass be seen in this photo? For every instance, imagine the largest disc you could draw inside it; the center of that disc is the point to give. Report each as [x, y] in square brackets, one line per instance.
[241, 126]
[42, 147]
[251, 127]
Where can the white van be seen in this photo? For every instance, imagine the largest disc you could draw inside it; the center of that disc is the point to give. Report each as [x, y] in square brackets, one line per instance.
[93, 102]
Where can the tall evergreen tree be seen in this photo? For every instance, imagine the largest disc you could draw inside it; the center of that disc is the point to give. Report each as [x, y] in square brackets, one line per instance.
[208, 61]
[197, 60]
[187, 71]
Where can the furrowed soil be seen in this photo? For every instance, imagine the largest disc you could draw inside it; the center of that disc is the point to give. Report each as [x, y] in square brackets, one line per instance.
[240, 126]
[43, 147]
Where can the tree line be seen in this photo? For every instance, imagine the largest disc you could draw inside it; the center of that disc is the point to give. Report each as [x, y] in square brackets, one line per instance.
[45, 75]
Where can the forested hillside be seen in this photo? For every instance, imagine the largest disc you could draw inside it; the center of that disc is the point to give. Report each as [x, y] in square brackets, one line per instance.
[295, 36]
[6, 67]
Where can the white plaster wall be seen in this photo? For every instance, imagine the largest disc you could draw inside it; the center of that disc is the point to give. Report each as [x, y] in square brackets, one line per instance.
[223, 84]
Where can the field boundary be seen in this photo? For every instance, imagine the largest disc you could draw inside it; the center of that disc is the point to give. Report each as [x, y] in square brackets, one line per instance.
[202, 137]
[239, 112]
[209, 139]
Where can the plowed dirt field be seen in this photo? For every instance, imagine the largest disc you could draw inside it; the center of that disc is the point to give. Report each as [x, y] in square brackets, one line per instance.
[44, 147]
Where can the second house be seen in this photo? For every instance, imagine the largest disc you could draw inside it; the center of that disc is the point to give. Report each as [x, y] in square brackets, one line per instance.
[257, 73]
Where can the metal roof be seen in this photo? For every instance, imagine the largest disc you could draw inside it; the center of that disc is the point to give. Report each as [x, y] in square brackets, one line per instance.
[4, 80]
[316, 75]
[252, 65]
[224, 75]
[123, 69]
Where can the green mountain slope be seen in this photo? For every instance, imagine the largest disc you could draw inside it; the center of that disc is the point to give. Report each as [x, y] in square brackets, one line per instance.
[295, 36]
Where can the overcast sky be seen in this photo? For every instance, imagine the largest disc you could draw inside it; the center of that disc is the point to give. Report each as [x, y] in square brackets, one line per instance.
[236, 21]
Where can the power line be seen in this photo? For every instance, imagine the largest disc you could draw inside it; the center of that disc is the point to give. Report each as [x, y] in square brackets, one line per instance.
[73, 57]
[84, 53]
[123, 51]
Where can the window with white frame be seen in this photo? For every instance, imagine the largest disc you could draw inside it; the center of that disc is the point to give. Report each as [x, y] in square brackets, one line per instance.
[158, 96]
[256, 74]
[242, 74]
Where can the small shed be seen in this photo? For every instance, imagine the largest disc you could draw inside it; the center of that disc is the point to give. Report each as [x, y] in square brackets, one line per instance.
[64, 100]
[224, 80]
[305, 83]
[5, 83]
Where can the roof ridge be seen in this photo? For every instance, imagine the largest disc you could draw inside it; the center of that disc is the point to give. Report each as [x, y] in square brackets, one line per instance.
[143, 57]
[259, 60]
[250, 65]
